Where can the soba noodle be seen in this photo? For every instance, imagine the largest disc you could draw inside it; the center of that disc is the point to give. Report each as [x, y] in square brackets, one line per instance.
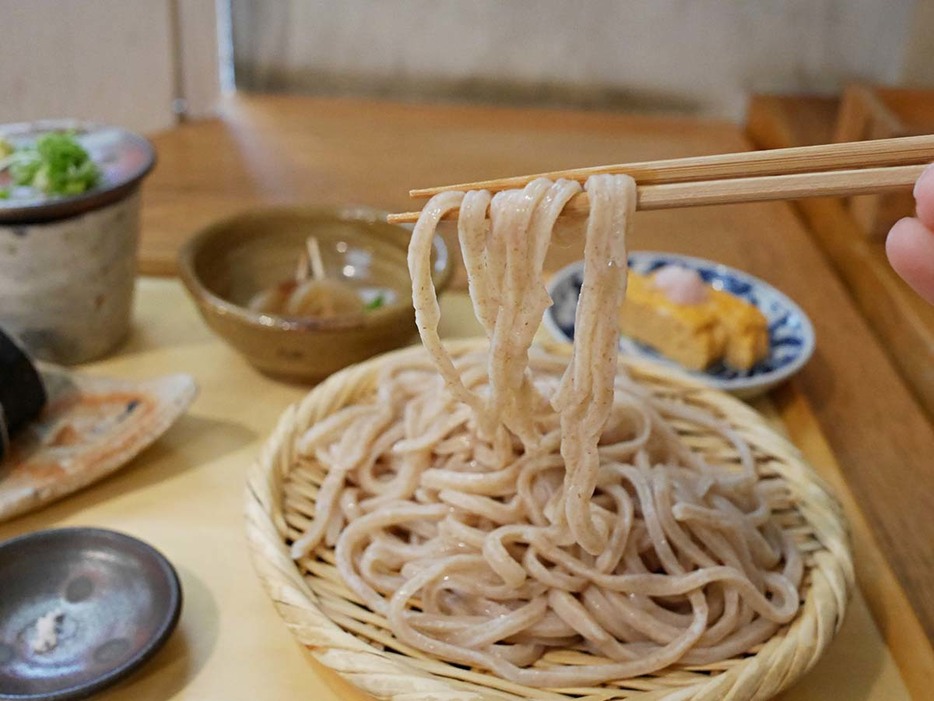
[496, 507]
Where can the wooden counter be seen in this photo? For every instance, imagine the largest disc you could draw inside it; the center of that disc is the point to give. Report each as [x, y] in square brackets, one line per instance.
[902, 320]
[185, 496]
[848, 409]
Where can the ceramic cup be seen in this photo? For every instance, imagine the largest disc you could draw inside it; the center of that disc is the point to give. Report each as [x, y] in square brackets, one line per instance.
[68, 265]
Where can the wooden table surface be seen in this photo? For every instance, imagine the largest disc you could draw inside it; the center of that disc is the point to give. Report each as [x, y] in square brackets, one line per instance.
[903, 321]
[849, 404]
[185, 496]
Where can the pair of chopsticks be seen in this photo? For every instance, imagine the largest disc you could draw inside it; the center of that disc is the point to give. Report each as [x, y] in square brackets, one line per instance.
[842, 169]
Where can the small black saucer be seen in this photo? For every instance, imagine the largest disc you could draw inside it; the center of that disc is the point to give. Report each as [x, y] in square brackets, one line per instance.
[115, 601]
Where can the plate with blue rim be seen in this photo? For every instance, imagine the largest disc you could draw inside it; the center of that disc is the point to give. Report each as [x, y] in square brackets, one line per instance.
[791, 335]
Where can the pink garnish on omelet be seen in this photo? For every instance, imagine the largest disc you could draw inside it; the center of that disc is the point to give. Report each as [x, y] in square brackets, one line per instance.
[681, 285]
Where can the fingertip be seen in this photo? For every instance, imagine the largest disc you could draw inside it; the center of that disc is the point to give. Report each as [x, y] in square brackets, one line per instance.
[910, 250]
[924, 196]
[895, 241]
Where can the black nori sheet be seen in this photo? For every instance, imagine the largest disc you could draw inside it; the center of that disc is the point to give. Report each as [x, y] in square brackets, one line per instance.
[22, 394]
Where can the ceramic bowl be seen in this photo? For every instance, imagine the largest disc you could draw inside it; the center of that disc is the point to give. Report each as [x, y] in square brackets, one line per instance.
[82, 608]
[791, 335]
[227, 263]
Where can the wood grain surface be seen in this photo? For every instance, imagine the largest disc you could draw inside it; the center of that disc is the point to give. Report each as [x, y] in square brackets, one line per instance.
[904, 325]
[334, 151]
[901, 319]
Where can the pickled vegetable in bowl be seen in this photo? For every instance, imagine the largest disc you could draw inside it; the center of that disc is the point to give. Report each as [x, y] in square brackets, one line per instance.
[312, 298]
[310, 294]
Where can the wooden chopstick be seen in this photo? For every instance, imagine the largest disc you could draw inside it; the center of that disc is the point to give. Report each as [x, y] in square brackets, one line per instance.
[836, 183]
[785, 161]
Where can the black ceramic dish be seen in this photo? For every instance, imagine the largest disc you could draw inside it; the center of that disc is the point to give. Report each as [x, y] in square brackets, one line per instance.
[114, 601]
[22, 394]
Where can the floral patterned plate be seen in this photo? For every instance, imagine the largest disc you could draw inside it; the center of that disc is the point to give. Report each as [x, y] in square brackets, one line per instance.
[791, 336]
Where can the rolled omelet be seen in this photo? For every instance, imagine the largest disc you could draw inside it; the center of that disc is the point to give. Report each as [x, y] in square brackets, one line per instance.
[692, 323]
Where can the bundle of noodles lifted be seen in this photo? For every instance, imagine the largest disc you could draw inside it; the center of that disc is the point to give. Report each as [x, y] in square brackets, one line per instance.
[496, 508]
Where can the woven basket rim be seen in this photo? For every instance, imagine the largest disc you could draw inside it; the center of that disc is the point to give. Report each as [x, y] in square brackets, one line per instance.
[782, 660]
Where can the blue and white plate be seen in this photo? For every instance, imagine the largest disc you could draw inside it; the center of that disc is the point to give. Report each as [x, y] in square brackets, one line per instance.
[791, 336]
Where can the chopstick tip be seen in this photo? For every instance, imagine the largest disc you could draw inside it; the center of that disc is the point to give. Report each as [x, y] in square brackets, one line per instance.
[402, 218]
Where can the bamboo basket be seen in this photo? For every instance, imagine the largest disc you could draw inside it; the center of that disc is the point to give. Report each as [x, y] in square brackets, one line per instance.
[342, 634]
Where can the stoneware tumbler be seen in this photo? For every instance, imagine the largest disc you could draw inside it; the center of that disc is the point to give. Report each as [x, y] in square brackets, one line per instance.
[68, 263]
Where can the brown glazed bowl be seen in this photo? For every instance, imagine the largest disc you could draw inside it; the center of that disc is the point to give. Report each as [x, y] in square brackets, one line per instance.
[227, 263]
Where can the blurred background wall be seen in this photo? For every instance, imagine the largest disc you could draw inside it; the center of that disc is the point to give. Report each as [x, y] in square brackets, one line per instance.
[138, 63]
[702, 56]
[147, 63]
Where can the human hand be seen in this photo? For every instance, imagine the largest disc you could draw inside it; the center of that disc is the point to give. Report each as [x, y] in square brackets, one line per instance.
[910, 243]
